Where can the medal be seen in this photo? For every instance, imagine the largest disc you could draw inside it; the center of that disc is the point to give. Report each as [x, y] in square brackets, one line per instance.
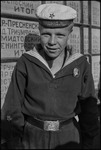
[76, 72]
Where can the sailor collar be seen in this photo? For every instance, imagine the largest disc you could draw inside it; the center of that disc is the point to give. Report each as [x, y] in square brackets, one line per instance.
[35, 54]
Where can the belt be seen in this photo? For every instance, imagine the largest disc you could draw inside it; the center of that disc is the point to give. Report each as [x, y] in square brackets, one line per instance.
[47, 125]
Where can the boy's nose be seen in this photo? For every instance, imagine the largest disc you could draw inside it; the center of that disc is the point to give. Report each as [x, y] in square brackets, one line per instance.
[52, 40]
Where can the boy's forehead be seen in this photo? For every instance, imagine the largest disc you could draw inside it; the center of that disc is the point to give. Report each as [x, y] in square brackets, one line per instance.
[54, 30]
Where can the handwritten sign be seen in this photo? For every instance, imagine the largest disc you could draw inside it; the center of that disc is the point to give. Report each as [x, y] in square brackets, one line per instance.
[85, 12]
[22, 8]
[86, 40]
[95, 13]
[95, 41]
[6, 72]
[76, 6]
[74, 40]
[96, 70]
[13, 33]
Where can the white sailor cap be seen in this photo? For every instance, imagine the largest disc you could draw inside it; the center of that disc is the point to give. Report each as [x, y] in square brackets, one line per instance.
[55, 15]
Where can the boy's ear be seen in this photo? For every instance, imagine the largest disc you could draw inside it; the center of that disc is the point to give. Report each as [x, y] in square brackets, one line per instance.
[70, 27]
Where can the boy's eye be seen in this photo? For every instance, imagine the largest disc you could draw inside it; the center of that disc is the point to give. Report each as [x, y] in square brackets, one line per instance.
[60, 35]
[45, 34]
[57, 35]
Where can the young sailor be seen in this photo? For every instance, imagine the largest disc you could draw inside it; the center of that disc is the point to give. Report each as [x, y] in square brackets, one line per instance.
[49, 87]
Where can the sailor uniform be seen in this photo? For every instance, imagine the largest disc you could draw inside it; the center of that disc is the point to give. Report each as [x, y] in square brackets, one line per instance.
[36, 92]
[40, 106]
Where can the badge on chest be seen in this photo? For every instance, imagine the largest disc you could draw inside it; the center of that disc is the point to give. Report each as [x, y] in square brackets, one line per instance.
[76, 72]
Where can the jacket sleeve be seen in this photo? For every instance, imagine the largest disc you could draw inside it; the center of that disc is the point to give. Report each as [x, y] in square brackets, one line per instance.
[12, 120]
[88, 118]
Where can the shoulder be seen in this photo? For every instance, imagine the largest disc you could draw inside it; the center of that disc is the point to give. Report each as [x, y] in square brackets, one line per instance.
[80, 59]
[21, 64]
[77, 58]
[82, 62]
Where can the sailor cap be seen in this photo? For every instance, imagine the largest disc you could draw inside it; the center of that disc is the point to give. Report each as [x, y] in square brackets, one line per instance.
[55, 15]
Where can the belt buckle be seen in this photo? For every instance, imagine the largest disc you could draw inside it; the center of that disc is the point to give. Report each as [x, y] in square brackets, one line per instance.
[51, 125]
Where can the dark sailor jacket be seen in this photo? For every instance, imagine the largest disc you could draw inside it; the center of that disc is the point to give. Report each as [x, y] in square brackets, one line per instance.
[35, 91]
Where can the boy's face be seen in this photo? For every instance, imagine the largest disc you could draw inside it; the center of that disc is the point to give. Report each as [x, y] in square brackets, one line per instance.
[54, 40]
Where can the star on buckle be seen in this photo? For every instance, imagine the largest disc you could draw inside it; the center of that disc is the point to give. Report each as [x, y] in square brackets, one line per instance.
[51, 125]
[9, 118]
[52, 15]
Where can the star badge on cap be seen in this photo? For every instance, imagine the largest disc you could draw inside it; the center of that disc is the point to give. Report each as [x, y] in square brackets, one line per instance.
[76, 72]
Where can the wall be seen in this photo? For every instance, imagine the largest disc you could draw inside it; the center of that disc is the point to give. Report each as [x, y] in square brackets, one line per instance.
[18, 19]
